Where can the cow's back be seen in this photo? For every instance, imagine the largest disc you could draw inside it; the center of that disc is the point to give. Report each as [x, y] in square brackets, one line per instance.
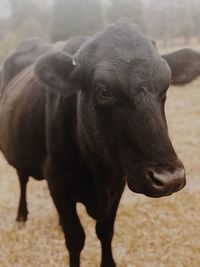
[74, 43]
[25, 54]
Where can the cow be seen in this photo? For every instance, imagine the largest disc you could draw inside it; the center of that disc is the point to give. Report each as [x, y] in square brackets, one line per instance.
[93, 121]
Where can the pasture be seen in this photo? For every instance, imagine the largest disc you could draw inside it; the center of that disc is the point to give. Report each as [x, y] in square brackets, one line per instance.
[148, 232]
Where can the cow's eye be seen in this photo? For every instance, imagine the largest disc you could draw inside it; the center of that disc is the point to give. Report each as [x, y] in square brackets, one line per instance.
[103, 94]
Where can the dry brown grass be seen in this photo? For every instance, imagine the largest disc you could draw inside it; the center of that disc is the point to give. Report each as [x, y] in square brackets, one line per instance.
[149, 232]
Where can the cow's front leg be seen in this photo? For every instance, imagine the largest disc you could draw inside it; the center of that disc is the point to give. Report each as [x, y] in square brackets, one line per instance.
[105, 230]
[73, 230]
[22, 209]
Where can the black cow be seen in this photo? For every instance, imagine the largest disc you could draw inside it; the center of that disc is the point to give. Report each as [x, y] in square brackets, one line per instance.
[91, 122]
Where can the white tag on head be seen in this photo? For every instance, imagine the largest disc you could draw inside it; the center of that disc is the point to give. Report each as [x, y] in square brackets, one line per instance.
[74, 62]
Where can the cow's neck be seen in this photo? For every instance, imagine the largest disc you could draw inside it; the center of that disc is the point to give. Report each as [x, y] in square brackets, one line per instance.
[106, 179]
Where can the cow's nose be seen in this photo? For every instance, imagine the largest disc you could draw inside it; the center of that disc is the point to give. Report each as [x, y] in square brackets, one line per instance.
[167, 182]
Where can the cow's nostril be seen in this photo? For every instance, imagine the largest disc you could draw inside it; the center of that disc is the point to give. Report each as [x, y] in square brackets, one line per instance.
[155, 179]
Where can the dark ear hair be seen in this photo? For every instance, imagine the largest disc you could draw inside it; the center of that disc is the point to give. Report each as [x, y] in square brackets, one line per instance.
[57, 71]
[184, 64]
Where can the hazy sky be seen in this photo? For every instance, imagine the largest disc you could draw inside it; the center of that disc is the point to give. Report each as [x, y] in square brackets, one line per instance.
[4, 6]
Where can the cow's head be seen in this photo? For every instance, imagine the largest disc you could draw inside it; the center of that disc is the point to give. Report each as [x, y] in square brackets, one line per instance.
[121, 83]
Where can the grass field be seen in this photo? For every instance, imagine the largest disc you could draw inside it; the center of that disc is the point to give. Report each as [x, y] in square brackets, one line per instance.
[148, 233]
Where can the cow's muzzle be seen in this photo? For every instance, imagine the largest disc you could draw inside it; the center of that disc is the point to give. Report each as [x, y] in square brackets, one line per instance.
[165, 183]
[159, 182]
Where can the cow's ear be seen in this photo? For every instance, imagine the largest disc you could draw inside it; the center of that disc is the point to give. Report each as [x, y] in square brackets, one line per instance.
[57, 71]
[184, 64]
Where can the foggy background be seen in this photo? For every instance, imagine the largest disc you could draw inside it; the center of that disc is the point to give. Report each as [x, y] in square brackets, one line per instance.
[169, 22]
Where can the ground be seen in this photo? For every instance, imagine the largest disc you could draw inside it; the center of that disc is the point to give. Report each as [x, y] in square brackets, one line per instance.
[148, 233]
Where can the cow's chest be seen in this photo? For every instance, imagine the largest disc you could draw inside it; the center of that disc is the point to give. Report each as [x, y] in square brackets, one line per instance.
[97, 194]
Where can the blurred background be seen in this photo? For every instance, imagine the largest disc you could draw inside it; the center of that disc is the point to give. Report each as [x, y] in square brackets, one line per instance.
[170, 22]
